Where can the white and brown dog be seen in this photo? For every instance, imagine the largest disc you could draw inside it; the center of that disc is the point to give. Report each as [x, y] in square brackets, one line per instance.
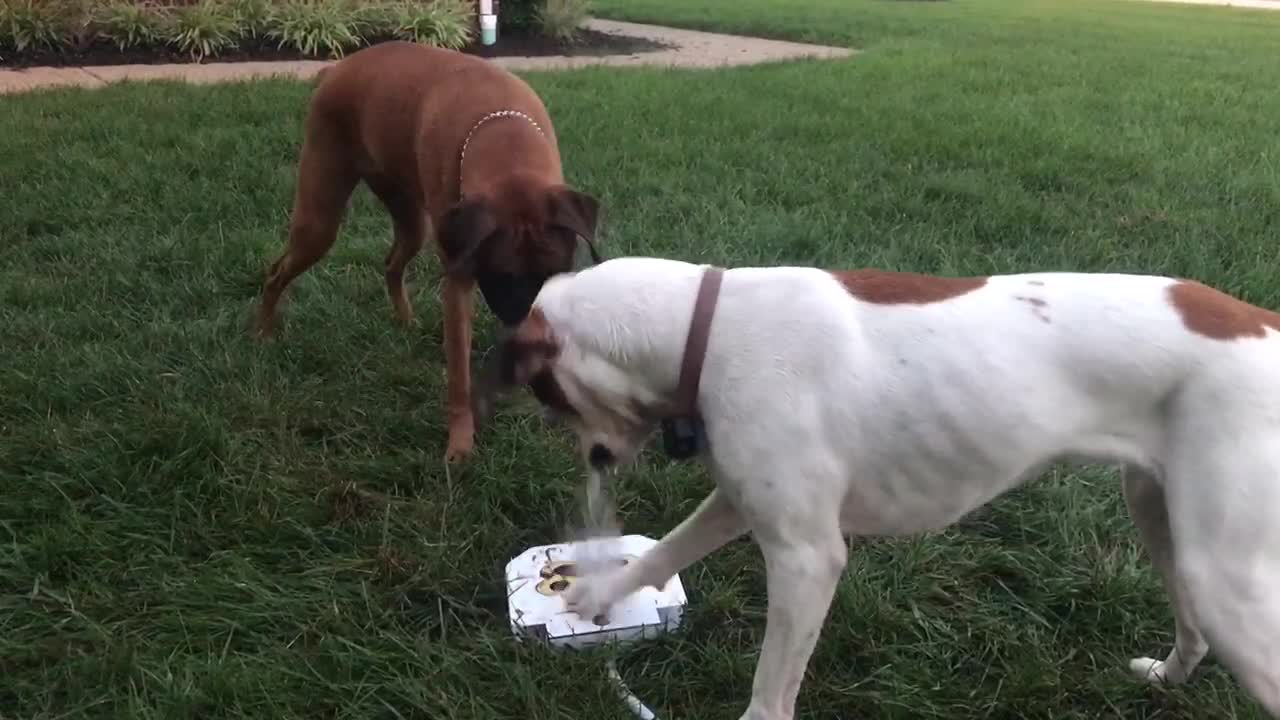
[877, 403]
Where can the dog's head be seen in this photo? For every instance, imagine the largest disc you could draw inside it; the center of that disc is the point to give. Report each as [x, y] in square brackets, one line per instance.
[611, 412]
[513, 237]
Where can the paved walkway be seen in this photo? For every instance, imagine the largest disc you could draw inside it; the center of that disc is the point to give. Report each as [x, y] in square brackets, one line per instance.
[690, 49]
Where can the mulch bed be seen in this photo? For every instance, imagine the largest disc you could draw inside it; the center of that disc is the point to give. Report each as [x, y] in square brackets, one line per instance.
[510, 44]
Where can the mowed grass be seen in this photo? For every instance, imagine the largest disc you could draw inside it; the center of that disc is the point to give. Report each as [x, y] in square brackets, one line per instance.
[195, 525]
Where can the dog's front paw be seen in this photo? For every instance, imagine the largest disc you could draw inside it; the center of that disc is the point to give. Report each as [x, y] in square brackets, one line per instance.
[1149, 670]
[461, 442]
[592, 597]
[457, 452]
[263, 327]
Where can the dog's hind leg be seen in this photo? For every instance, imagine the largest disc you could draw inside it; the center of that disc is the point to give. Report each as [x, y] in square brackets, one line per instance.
[1146, 501]
[410, 224]
[325, 182]
[802, 567]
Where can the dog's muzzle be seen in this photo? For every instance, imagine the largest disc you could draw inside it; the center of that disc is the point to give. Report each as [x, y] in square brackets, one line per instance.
[600, 457]
[509, 296]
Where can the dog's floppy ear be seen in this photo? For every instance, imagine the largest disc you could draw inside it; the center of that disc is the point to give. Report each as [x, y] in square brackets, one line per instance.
[464, 229]
[578, 212]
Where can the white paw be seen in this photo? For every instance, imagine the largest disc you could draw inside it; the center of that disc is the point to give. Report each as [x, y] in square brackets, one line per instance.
[593, 596]
[1148, 670]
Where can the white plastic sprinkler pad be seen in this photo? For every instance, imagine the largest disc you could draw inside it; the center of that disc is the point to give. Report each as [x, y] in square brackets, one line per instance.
[538, 578]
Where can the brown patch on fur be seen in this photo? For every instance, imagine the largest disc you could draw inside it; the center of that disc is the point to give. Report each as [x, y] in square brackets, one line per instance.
[529, 348]
[1038, 306]
[900, 288]
[396, 116]
[525, 359]
[1217, 315]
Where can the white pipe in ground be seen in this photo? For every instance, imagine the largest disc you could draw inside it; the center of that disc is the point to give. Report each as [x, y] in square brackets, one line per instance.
[488, 23]
[633, 703]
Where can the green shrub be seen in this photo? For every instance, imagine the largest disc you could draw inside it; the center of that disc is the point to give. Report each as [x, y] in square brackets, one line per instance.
[253, 17]
[33, 24]
[204, 29]
[78, 20]
[312, 26]
[442, 23]
[519, 14]
[376, 19]
[557, 18]
[129, 25]
[560, 19]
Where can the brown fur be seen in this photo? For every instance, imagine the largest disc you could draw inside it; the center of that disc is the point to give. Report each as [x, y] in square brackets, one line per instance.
[525, 359]
[528, 350]
[395, 116]
[1215, 314]
[899, 288]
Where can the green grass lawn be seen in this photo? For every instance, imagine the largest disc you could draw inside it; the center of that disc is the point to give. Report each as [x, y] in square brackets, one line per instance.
[196, 526]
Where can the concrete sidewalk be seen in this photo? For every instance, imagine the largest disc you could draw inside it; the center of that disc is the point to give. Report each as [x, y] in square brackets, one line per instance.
[690, 48]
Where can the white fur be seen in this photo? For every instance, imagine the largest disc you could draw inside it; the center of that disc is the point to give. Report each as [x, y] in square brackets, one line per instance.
[828, 415]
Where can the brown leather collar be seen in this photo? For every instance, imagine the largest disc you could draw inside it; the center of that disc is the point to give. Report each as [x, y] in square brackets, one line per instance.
[695, 345]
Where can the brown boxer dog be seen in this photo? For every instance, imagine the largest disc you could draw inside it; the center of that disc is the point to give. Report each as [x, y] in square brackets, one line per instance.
[451, 144]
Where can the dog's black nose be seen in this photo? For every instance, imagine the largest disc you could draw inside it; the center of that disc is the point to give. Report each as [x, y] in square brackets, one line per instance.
[600, 456]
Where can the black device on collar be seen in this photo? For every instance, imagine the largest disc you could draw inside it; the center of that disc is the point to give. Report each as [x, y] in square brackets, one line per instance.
[683, 436]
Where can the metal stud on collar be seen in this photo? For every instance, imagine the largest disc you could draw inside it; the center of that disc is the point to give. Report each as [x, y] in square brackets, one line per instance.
[492, 116]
